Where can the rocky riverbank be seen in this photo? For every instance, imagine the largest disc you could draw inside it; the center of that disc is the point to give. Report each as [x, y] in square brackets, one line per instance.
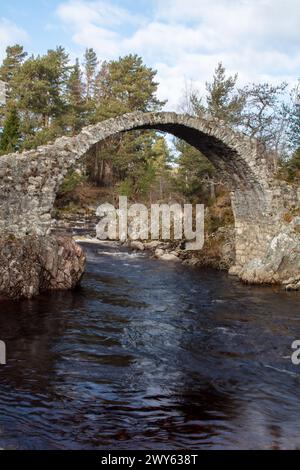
[217, 253]
[279, 265]
[32, 264]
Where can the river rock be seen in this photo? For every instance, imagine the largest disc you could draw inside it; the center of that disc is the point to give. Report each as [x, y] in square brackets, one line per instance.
[174, 253]
[290, 280]
[159, 252]
[153, 245]
[193, 261]
[34, 264]
[136, 245]
[291, 287]
[234, 271]
[169, 257]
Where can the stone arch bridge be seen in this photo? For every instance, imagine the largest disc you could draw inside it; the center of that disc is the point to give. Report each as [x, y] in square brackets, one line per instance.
[29, 181]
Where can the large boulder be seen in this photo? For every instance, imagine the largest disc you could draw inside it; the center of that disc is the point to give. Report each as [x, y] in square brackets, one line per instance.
[281, 264]
[34, 264]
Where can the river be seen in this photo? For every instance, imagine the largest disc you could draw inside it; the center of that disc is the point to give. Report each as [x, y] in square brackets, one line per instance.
[151, 355]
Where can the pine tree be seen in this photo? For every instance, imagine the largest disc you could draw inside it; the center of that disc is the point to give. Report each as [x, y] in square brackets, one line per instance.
[10, 138]
[90, 66]
[15, 56]
[58, 62]
[123, 86]
[223, 102]
[126, 85]
[11, 64]
[39, 92]
[162, 161]
[194, 171]
[77, 109]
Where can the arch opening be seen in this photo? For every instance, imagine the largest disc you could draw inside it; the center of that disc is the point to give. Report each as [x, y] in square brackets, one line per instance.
[26, 206]
[234, 155]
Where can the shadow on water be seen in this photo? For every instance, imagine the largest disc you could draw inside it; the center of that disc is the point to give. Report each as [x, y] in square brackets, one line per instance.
[153, 356]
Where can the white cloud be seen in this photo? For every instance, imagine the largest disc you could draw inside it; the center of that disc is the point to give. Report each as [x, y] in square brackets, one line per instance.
[185, 39]
[82, 12]
[10, 34]
[95, 24]
[163, 39]
[253, 19]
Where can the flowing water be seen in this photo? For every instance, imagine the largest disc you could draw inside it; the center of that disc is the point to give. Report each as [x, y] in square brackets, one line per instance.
[151, 355]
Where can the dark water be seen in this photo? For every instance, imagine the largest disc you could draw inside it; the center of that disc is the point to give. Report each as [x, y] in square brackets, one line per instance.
[149, 355]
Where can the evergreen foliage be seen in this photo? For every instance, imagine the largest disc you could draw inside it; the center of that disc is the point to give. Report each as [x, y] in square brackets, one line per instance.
[10, 138]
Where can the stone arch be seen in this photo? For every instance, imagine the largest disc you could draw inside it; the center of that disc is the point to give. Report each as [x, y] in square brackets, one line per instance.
[241, 160]
[30, 180]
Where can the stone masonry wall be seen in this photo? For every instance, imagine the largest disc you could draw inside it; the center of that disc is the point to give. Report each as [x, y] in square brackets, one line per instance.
[268, 245]
[29, 181]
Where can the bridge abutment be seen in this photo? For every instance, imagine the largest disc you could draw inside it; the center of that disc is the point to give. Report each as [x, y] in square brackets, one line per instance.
[268, 239]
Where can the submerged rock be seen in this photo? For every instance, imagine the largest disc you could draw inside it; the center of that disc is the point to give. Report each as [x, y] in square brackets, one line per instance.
[34, 264]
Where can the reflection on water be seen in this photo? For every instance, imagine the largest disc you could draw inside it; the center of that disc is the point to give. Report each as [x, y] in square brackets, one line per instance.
[148, 355]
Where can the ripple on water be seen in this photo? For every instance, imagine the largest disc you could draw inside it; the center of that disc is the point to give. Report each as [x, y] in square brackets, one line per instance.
[150, 355]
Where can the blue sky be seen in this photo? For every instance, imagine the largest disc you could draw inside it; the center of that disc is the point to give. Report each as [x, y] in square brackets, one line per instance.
[39, 18]
[182, 39]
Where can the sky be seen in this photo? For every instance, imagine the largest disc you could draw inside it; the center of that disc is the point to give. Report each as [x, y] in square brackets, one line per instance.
[182, 39]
